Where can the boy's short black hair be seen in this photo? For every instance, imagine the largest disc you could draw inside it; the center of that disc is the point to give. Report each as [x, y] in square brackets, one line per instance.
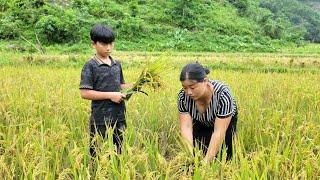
[102, 33]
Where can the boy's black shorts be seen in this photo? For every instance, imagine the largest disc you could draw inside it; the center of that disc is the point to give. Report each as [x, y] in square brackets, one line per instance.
[119, 128]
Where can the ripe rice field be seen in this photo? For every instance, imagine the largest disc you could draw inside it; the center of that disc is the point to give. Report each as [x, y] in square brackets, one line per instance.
[44, 121]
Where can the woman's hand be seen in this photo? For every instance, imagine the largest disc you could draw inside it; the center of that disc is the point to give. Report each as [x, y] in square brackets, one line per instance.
[206, 161]
[217, 137]
[186, 130]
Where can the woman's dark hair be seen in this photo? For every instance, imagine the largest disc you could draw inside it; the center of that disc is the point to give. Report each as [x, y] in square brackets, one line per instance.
[102, 33]
[194, 71]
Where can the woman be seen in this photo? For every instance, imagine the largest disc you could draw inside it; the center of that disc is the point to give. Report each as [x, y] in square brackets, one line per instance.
[208, 111]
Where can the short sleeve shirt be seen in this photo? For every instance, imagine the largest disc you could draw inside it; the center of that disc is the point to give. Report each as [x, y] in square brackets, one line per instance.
[222, 105]
[99, 76]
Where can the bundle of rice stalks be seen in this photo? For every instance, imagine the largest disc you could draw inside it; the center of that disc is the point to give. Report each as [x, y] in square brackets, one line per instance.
[150, 76]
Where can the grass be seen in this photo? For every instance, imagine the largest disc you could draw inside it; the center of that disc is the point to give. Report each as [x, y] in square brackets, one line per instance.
[44, 122]
[306, 49]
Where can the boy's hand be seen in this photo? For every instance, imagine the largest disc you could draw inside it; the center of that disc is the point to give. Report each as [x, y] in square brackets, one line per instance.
[130, 85]
[117, 97]
[127, 85]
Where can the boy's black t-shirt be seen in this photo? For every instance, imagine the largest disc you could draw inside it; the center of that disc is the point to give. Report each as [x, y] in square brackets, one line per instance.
[99, 76]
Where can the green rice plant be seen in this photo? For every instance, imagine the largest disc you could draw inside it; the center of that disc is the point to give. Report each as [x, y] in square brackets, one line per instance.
[150, 76]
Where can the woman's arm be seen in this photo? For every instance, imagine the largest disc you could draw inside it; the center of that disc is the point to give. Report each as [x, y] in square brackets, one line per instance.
[186, 130]
[217, 137]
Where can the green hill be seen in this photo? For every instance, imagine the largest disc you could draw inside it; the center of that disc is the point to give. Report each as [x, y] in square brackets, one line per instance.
[313, 4]
[182, 25]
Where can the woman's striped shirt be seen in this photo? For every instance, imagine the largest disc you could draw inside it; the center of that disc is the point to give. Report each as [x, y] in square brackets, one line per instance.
[222, 104]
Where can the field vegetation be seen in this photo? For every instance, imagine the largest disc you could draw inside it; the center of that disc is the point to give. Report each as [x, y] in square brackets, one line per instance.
[44, 122]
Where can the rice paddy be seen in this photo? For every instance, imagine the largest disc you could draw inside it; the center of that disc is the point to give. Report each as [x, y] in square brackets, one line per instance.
[44, 122]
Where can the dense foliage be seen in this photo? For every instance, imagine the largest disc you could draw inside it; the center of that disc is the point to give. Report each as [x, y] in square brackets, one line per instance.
[44, 122]
[202, 25]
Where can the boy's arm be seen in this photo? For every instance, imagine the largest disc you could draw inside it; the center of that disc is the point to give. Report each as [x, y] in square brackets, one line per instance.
[124, 85]
[98, 95]
[86, 87]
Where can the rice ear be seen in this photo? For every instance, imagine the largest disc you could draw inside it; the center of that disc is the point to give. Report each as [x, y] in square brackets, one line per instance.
[150, 76]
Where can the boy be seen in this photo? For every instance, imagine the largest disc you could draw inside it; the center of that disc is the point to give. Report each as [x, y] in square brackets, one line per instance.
[101, 82]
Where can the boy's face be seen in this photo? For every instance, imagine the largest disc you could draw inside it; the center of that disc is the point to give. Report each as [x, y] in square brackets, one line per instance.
[103, 49]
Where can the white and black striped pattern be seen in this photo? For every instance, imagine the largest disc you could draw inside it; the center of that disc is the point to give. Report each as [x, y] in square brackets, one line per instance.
[222, 104]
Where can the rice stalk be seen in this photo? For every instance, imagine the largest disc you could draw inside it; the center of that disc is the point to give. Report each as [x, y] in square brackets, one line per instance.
[150, 76]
